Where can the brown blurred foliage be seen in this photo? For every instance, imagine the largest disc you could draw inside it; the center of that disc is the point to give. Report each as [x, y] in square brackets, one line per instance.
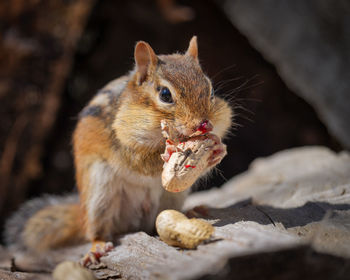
[37, 43]
[40, 97]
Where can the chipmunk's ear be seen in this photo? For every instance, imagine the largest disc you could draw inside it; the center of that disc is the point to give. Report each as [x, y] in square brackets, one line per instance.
[145, 59]
[193, 48]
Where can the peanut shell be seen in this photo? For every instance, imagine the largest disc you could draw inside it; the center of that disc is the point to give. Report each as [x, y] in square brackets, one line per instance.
[68, 270]
[175, 229]
[188, 161]
[186, 165]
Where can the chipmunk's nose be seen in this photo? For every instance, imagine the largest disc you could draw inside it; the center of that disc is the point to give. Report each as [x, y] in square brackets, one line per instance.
[205, 126]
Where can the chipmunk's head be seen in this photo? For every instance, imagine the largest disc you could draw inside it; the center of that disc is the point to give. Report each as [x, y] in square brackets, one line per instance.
[175, 88]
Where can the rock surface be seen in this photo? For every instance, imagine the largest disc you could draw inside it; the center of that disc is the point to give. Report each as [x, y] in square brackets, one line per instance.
[308, 42]
[303, 191]
[267, 215]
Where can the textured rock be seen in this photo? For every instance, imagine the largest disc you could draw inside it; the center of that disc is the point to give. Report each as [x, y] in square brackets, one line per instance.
[294, 197]
[146, 257]
[293, 263]
[7, 275]
[268, 216]
[305, 191]
[308, 42]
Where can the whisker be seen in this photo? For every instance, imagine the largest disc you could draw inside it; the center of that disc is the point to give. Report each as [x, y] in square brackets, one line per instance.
[222, 84]
[241, 107]
[248, 99]
[223, 70]
[221, 173]
[248, 87]
[246, 82]
[232, 95]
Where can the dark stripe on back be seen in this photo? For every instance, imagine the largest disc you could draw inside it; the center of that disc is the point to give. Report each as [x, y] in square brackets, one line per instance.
[94, 111]
[104, 91]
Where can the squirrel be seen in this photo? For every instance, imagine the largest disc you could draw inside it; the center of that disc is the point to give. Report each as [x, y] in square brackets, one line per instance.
[117, 145]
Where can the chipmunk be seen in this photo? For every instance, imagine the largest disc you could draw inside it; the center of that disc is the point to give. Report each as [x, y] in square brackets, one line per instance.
[117, 146]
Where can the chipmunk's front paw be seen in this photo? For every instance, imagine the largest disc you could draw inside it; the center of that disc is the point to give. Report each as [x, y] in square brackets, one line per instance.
[98, 250]
[169, 150]
[218, 151]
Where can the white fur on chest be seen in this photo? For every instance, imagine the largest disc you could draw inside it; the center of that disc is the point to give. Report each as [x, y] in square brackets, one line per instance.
[121, 201]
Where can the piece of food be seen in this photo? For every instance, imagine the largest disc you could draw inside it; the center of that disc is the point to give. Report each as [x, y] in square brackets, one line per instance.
[175, 229]
[186, 164]
[185, 159]
[68, 270]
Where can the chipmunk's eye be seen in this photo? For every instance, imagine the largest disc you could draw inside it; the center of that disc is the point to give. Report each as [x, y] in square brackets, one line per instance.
[212, 94]
[165, 95]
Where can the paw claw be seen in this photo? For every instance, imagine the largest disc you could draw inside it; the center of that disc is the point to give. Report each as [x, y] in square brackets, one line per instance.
[170, 149]
[97, 251]
[215, 138]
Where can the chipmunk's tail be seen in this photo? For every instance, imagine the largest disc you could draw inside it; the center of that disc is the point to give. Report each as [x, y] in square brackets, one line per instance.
[45, 223]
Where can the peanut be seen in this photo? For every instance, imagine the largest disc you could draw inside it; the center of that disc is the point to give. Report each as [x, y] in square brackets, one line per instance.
[175, 229]
[68, 270]
[185, 159]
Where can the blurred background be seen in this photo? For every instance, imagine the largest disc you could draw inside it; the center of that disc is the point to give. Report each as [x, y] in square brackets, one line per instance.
[283, 65]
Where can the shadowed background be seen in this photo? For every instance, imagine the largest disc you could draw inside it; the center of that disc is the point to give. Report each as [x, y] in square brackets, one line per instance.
[56, 54]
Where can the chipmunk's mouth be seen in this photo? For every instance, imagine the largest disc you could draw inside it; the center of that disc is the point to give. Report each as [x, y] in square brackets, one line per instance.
[202, 129]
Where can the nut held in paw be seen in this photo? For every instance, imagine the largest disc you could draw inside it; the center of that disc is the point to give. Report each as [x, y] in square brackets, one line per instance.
[186, 164]
[185, 159]
[175, 229]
